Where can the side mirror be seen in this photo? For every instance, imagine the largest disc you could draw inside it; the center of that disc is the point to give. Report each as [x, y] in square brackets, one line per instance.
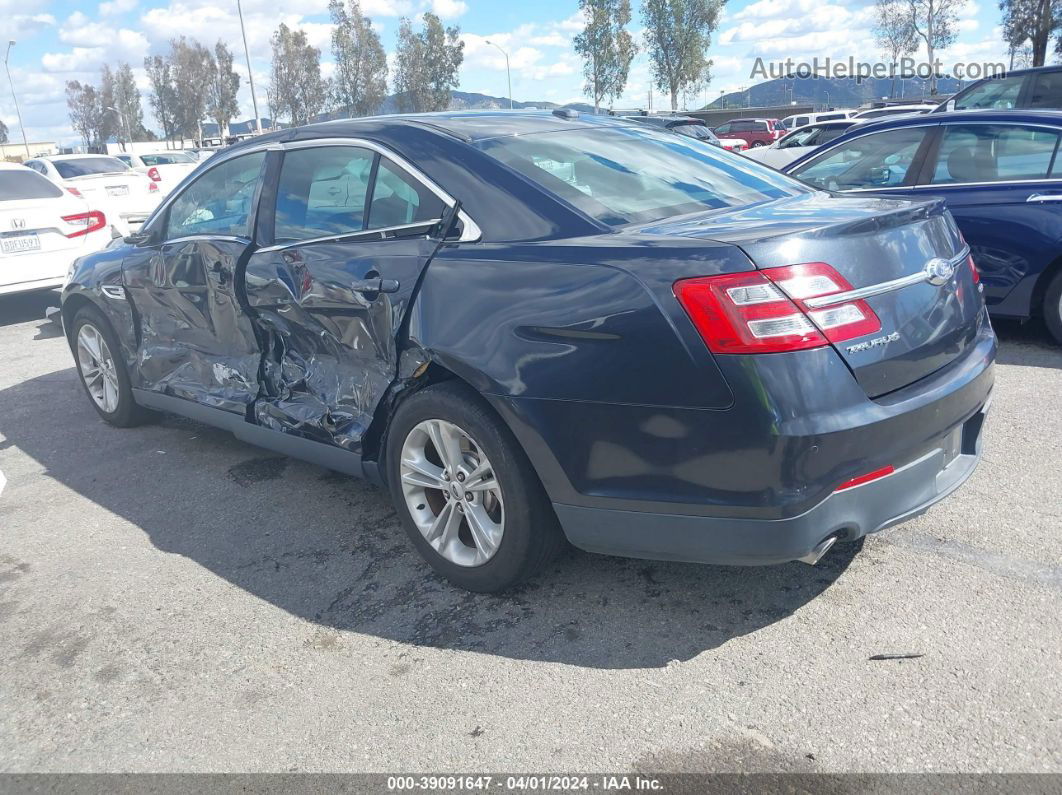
[136, 238]
[879, 176]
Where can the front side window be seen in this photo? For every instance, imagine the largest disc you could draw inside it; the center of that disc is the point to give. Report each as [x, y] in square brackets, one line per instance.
[803, 136]
[89, 166]
[994, 93]
[831, 133]
[220, 202]
[723, 129]
[627, 174]
[167, 159]
[993, 153]
[878, 160]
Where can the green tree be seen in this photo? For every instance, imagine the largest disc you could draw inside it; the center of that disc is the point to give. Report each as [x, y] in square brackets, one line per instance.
[163, 97]
[677, 36]
[935, 23]
[296, 89]
[428, 64]
[893, 32]
[3, 132]
[127, 101]
[110, 124]
[222, 89]
[1034, 22]
[606, 47]
[192, 66]
[360, 81]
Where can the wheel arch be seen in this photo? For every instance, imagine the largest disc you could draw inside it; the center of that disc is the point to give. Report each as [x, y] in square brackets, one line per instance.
[1043, 282]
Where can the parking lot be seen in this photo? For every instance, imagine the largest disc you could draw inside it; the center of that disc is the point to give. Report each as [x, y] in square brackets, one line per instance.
[172, 599]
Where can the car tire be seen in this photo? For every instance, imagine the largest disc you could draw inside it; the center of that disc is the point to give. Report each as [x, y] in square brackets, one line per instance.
[1053, 307]
[758, 144]
[457, 531]
[102, 371]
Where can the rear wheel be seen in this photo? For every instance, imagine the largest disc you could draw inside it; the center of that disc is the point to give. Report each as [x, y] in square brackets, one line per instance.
[103, 373]
[1053, 308]
[757, 144]
[468, 497]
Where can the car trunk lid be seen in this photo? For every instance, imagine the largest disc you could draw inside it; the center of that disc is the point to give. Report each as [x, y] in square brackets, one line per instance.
[905, 259]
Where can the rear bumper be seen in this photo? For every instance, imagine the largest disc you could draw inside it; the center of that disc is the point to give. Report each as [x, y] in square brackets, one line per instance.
[849, 514]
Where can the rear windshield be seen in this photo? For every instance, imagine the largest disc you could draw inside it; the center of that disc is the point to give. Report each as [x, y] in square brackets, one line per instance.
[18, 184]
[694, 129]
[86, 166]
[634, 174]
[168, 159]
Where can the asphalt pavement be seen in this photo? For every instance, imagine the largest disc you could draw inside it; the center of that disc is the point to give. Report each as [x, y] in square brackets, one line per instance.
[172, 599]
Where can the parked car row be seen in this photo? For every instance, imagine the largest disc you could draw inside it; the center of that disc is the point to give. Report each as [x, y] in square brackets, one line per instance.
[57, 208]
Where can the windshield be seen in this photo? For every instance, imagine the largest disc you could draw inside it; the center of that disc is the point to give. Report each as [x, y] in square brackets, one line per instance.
[694, 130]
[17, 183]
[87, 166]
[627, 174]
[167, 159]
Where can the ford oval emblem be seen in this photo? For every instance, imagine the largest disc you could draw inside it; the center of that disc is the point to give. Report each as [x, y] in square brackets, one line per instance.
[939, 271]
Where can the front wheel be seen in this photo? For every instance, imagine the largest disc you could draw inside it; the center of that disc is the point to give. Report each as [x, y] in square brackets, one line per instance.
[468, 497]
[102, 371]
[1053, 308]
[758, 144]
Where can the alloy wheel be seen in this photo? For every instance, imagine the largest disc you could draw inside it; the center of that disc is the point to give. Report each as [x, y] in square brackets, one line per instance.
[451, 492]
[98, 369]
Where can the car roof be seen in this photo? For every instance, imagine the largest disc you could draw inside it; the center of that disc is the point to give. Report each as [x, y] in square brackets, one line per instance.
[1052, 117]
[6, 166]
[57, 158]
[471, 125]
[1028, 71]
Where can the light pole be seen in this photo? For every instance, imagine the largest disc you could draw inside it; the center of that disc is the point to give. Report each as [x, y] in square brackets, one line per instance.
[508, 74]
[250, 76]
[123, 123]
[14, 99]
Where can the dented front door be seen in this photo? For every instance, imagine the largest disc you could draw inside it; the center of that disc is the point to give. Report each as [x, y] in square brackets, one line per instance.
[196, 340]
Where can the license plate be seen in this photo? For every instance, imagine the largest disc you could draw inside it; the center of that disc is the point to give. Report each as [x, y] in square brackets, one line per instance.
[15, 245]
[117, 190]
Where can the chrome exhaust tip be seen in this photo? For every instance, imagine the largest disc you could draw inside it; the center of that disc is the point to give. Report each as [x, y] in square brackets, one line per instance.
[820, 549]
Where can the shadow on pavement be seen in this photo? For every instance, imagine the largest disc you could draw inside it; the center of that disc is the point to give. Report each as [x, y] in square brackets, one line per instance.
[26, 307]
[330, 549]
[1028, 344]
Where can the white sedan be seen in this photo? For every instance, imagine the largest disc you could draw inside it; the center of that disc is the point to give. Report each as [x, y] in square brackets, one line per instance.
[166, 169]
[799, 142]
[43, 229]
[108, 184]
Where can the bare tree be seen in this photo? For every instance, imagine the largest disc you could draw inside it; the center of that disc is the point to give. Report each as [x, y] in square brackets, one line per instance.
[360, 81]
[934, 23]
[222, 89]
[86, 111]
[296, 88]
[677, 36]
[894, 33]
[428, 64]
[606, 47]
[163, 97]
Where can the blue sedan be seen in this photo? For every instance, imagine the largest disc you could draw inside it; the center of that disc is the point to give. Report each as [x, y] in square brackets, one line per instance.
[1000, 175]
[540, 327]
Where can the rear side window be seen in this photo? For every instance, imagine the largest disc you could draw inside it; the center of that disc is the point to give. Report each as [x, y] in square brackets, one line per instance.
[800, 121]
[993, 153]
[322, 192]
[86, 166]
[1046, 91]
[167, 159]
[723, 129]
[341, 190]
[626, 174]
[879, 160]
[16, 184]
[831, 116]
[219, 202]
[831, 133]
[995, 93]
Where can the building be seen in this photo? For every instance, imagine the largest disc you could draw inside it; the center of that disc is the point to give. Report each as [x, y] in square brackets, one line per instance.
[16, 150]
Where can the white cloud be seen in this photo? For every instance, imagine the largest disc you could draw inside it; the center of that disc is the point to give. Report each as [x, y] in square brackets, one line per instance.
[113, 7]
[449, 9]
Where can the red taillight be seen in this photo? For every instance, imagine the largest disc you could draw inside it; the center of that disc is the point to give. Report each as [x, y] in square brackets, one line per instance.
[869, 476]
[91, 221]
[74, 192]
[154, 174]
[153, 187]
[973, 269]
[767, 311]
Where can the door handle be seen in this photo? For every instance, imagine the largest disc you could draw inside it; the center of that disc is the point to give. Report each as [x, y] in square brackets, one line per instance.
[372, 283]
[1045, 197]
[220, 271]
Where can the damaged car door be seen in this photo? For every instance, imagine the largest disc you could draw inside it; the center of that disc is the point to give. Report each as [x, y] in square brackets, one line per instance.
[196, 340]
[352, 231]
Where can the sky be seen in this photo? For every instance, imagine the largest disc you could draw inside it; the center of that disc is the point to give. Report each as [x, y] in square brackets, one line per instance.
[61, 41]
